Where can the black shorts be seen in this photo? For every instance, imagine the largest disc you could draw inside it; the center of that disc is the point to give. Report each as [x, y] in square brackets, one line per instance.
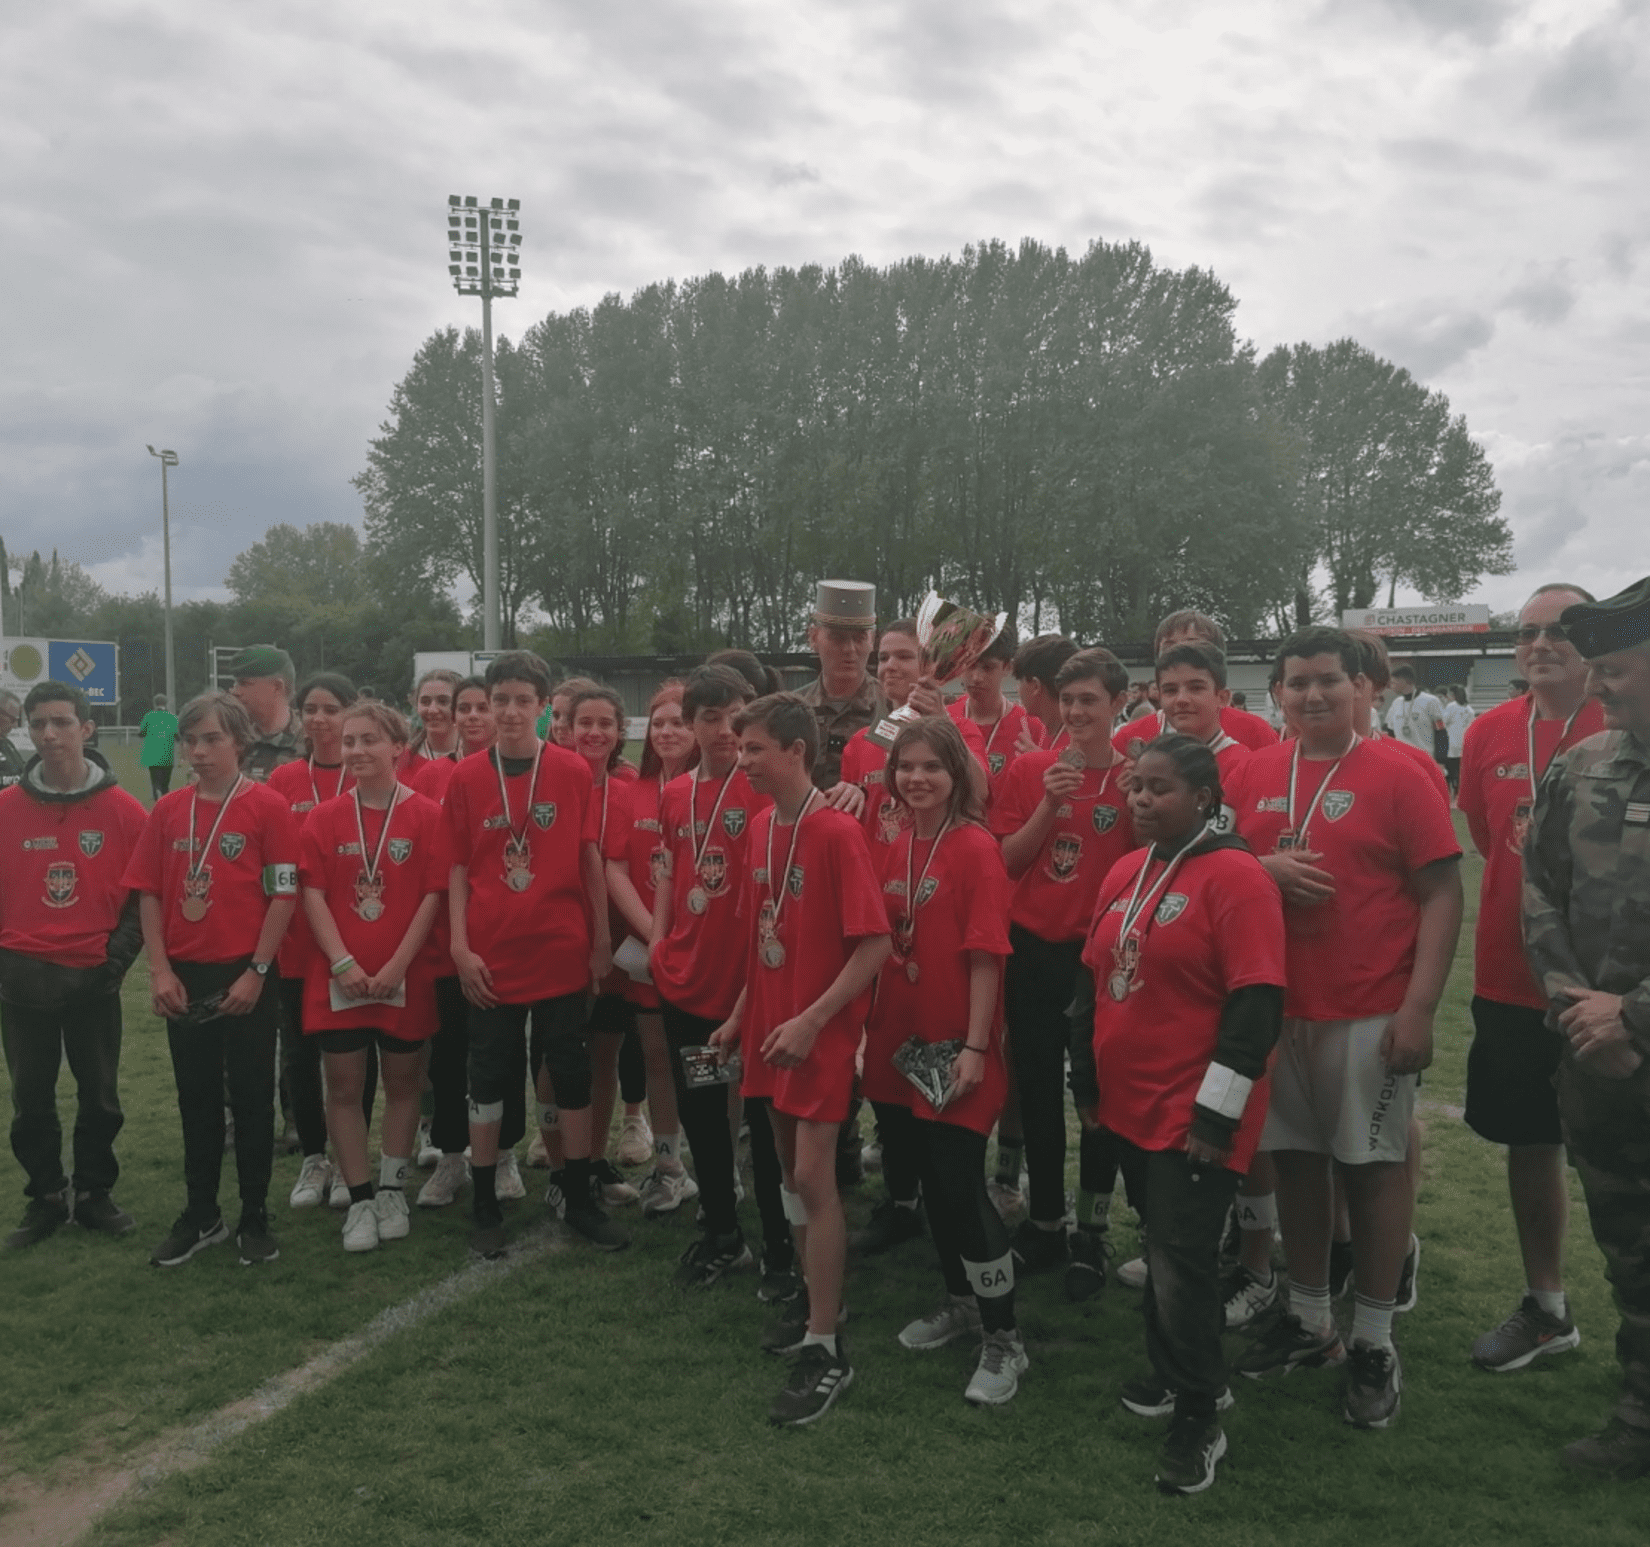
[1510, 1069]
[611, 1015]
[359, 1039]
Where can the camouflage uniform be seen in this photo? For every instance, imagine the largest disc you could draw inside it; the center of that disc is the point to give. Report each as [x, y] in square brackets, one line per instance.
[267, 753]
[839, 719]
[11, 763]
[1587, 925]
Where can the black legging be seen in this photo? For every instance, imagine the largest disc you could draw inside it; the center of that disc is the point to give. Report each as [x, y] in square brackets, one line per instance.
[301, 1094]
[901, 1150]
[450, 1078]
[965, 1227]
[704, 1115]
[1037, 990]
[632, 1069]
[767, 1179]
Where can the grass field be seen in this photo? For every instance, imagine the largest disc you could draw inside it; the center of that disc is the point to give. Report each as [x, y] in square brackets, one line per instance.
[580, 1399]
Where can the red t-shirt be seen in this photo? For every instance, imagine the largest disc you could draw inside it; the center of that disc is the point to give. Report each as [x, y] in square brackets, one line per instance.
[64, 887]
[1378, 823]
[414, 863]
[999, 740]
[699, 966]
[1496, 800]
[962, 906]
[536, 941]
[1432, 767]
[1248, 730]
[1054, 898]
[637, 842]
[303, 789]
[865, 763]
[411, 763]
[832, 901]
[1218, 928]
[253, 858]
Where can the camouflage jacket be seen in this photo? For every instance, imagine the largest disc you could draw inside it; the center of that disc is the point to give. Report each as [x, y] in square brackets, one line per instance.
[11, 762]
[1587, 876]
[267, 753]
[839, 719]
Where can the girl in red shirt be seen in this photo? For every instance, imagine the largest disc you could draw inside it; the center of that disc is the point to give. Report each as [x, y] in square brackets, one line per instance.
[946, 891]
[436, 739]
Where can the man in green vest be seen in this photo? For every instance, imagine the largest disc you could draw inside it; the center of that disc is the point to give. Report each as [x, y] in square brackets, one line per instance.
[159, 730]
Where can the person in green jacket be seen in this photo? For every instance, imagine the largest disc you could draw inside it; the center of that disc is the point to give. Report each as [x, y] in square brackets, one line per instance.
[159, 730]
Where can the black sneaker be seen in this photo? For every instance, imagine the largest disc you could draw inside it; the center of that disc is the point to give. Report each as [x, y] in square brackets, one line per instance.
[555, 1194]
[1340, 1269]
[1147, 1397]
[778, 1286]
[1374, 1386]
[891, 1224]
[186, 1239]
[1037, 1250]
[708, 1258]
[785, 1333]
[590, 1220]
[1408, 1293]
[256, 1244]
[41, 1217]
[1283, 1344]
[818, 1377]
[1186, 1463]
[1086, 1271]
[98, 1211]
[488, 1237]
[1620, 1451]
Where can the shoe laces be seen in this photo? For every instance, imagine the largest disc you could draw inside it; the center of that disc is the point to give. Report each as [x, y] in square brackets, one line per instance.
[1370, 1365]
[994, 1354]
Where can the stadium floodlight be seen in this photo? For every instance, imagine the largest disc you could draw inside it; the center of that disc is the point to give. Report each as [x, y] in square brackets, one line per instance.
[484, 259]
[168, 459]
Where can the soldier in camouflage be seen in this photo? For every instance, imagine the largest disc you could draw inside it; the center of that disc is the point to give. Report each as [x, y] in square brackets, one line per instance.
[263, 683]
[1587, 934]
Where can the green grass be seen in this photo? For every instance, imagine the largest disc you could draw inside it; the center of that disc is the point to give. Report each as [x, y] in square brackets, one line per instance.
[581, 1400]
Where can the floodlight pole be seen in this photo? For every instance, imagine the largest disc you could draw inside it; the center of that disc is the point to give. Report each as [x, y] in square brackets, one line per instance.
[490, 613]
[168, 459]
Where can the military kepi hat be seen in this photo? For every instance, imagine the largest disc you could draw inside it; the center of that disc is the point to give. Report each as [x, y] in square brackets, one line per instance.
[260, 661]
[846, 604]
[1617, 623]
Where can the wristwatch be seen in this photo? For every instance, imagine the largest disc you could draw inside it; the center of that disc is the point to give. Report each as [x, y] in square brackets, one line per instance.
[261, 968]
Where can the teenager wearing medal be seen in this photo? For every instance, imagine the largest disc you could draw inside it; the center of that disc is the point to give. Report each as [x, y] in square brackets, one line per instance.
[475, 732]
[1191, 688]
[1183, 1009]
[437, 738]
[1001, 725]
[698, 960]
[946, 893]
[637, 863]
[316, 777]
[528, 910]
[374, 875]
[217, 867]
[1364, 851]
[1181, 628]
[1034, 667]
[818, 933]
[1063, 820]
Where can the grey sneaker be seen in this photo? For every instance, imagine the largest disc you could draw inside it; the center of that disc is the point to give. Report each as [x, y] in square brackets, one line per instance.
[1246, 1297]
[1524, 1337]
[1374, 1386]
[1147, 1397]
[393, 1222]
[1620, 1451]
[507, 1183]
[450, 1174]
[663, 1192]
[314, 1182]
[1285, 1345]
[956, 1318]
[1186, 1463]
[997, 1376]
[708, 1258]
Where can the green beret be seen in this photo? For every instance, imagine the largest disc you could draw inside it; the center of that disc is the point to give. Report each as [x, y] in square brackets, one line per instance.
[261, 661]
[1619, 622]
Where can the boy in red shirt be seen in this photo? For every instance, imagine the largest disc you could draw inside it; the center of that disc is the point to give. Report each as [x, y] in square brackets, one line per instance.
[984, 705]
[818, 935]
[217, 867]
[1063, 820]
[528, 901]
[1363, 849]
[68, 932]
[1035, 666]
[1192, 692]
[1181, 628]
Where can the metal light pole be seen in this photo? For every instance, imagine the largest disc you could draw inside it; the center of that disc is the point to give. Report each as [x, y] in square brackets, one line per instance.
[484, 259]
[168, 459]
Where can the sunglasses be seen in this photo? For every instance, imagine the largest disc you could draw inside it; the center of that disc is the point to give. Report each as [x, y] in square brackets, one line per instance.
[1554, 631]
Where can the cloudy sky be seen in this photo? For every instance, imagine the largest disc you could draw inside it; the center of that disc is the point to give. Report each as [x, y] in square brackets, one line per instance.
[228, 221]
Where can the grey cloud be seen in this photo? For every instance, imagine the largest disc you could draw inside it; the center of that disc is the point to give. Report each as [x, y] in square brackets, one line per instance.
[793, 172]
[1598, 85]
[1440, 155]
[1480, 20]
[1425, 337]
[1577, 505]
[1544, 296]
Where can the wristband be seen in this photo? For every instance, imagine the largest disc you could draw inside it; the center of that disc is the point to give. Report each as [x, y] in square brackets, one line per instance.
[342, 965]
[980, 1050]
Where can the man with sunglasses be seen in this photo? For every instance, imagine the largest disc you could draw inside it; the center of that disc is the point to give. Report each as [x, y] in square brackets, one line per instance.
[1510, 1068]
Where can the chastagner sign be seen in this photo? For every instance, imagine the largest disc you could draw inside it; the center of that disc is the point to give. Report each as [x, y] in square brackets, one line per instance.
[91, 665]
[1458, 619]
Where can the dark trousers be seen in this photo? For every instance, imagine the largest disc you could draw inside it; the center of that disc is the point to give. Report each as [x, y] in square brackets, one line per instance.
[767, 1181]
[964, 1225]
[704, 1114]
[450, 1082]
[86, 1031]
[1037, 992]
[1183, 1208]
[233, 1054]
[558, 1043]
[302, 1094]
[632, 1069]
[901, 1150]
[160, 781]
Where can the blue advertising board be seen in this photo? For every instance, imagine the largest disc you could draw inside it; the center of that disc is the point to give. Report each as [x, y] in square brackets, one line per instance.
[91, 667]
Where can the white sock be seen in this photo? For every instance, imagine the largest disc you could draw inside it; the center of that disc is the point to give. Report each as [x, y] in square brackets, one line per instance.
[1257, 1213]
[1550, 1300]
[1372, 1321]
[1311, 1307]
[828, 1339]
[907, 1203]
[665, 1147]
[392, 1172]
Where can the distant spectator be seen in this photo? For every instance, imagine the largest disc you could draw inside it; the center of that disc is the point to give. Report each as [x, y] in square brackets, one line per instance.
[1517, 688]
[160, 746]
[1414, 715]
[11, 760]
[1458, 716]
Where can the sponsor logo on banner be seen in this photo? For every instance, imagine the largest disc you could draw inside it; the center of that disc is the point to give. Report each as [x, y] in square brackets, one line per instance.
[733, 821]
[399, 849]
[61, 880]
[1337, 803]
[1104, 818]
[1172, 906]
[91, 843]
[231, 845]
[544, 813]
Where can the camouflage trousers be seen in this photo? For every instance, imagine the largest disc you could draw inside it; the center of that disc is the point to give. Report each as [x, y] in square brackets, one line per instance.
[1607, 1128]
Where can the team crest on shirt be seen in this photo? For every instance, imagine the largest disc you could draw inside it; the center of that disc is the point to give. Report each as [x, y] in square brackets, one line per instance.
[1063, 856]
[399, 849]
[1104, 818]
[927, 888]
[231, 845]
[733, 821]
[996, 762]
[713, 872]
[61, 880]
[91, 843]
[793, 881]
[369, 896]
[544, 813]
[1336, 804]
[1172, 906]
[658, 868]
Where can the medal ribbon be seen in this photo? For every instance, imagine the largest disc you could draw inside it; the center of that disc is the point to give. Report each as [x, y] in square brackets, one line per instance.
[701, 844]
[192, 866]
[1137, 904]
[518, 841]
[1311, 810]
[315, 789]
[777, 898]
[1529, 731]
[371, 866]
[910, 895]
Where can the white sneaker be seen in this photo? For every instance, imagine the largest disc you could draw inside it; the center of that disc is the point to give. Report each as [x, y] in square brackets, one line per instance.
[428, 1154]
[339, 1197]
[451, 1173]
[314, 1177]
[507, 1182]
[393, 1223]
[663, 1193]
[871, 1159]
[1132, 1274]
[1002, 1362]
[956, 1318]
[538, 1157]
[635, 1142]
[1247, 1297]
[361, 1226]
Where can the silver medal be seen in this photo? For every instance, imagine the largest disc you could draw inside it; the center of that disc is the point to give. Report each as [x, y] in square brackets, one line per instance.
[773, 954]
[1073, 757]
[697, 900]
[519, 880]
[371, 910]
[912, 971]
[1118, 986]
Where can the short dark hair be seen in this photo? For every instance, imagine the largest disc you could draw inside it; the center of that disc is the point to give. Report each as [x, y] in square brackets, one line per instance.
[1040, 659]
[713, 687]
[331, 682]
[1372, 657]
[465, 683]
[788, 718]
[1404, 670]
[1004, 647]
[519, 666]
[1318, 639]
[1100, 665]
[1193, 760]
[1197, 655]
[54, 692]
[907, 626]
[1200, 623]
[762, 678]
